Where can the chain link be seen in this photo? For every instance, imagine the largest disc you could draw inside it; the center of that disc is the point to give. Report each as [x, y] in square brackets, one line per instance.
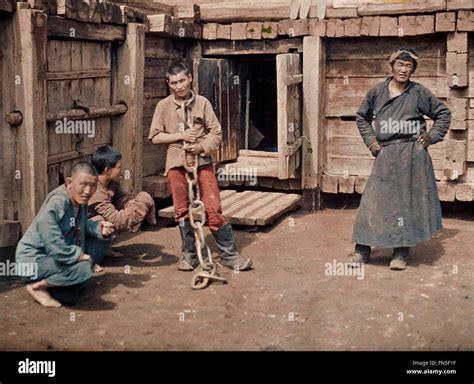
[207, 272]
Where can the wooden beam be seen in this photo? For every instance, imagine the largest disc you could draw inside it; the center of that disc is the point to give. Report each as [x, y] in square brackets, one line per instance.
[269, 30]
[94, 112]
[209, 31]
[249, 47]
[160, 24]
[150, 7]
[75, 75]
[227, 12]
[128, 89]
[60, 27]
[402, 8]
[445, 22]
[465, 22]
[30, 40]
[110, 12]
[188, 12]
[314, 73]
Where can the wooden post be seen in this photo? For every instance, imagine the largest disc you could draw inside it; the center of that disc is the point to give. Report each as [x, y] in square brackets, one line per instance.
[30, 30]
[313, 116]
[128, 89]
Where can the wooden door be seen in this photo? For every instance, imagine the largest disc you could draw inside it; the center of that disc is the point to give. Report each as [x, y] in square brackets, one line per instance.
[78, 72]
[219, 84]
[289, 114]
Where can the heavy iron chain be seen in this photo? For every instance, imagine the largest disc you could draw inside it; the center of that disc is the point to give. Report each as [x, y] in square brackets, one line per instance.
[207, 271]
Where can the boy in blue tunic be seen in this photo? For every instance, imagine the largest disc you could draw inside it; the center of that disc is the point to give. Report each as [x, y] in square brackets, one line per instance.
[60, 242]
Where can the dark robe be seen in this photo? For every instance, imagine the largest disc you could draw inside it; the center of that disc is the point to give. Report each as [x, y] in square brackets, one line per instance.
[400, 205]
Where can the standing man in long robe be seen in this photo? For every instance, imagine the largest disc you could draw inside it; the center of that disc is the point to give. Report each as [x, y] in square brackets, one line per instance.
[61, 243]
[400, 206]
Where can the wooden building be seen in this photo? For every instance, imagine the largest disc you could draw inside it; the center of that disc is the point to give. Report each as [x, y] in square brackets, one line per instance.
[285, 83]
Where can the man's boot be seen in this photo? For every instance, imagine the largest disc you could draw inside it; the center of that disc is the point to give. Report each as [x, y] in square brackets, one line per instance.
[226, 243]
[361, 254]
[189, 260]
[400, 258]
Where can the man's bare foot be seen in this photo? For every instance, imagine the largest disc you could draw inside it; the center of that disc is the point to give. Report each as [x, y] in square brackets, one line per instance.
[97, 268]
[112, 253]
[43, 297]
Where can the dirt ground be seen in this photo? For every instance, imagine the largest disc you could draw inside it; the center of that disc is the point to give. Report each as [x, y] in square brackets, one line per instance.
[287, 302]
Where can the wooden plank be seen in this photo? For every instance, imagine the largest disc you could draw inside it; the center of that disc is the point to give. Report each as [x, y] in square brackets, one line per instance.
[31, 35]
[289, 100]
[249, 47]
[152, 7]
[243, 12]
[249, 214]
[427, 46]
[347, 145]
[459, 4]
[128, 87]
[9, 233]
[445, 22]
[314, 61]
[67, 28]
[353, 165]
[329, 183]
[353, 92]
[357, 68]
[250, 153]
[89, 74]
[401, 8]
[284, 204]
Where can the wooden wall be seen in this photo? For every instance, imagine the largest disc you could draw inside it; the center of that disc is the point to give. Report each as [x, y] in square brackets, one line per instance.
[160, 52]
[353, 67]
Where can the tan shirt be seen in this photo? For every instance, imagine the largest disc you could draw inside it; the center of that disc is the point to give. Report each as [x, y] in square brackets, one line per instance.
[109, 202]
[168, 118]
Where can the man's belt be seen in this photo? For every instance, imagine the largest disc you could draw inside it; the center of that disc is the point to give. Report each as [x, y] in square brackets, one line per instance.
[395, 141]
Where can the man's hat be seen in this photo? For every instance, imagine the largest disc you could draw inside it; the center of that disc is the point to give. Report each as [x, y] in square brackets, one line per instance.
[405, 53]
